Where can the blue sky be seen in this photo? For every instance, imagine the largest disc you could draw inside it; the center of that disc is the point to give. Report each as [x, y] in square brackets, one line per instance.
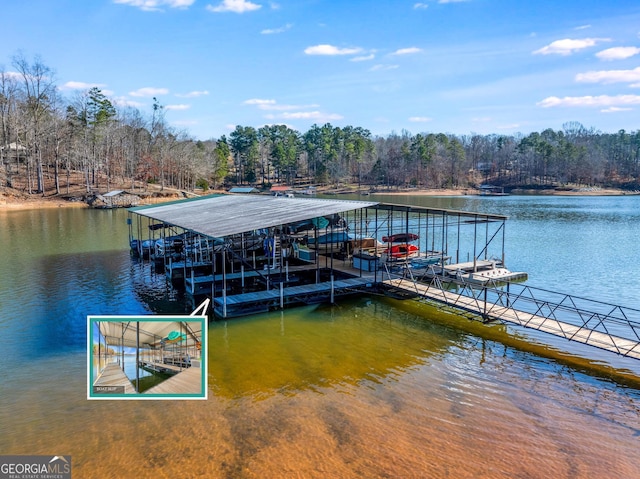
[452, 66]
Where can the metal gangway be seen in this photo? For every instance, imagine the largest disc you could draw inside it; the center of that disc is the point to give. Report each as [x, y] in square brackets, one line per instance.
[595, 323]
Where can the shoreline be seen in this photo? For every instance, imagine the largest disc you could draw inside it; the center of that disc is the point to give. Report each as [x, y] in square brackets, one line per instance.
[11, 202]
[517, 192]
[14, 204]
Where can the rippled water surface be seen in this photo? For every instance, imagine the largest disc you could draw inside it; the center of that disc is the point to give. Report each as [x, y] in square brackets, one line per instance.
[368, 388]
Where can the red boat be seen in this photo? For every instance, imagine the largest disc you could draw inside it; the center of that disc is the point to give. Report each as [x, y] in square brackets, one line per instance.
[400, 238]
[402, 251]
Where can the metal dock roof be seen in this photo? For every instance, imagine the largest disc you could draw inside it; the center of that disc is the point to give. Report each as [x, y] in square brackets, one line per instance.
[124, 333]
[225, 215]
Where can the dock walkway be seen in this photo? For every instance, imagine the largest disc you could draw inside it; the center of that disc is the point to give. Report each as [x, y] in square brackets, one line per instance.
[113, 375]
[189, 381]
[494, 311]
[262, 301]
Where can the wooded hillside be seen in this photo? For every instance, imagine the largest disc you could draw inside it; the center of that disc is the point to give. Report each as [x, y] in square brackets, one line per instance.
[50, 143]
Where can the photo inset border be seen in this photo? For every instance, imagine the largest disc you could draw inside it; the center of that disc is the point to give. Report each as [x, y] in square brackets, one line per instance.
[147, 357]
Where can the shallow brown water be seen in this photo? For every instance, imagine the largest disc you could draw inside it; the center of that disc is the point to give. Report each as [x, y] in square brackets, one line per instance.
[367, 389]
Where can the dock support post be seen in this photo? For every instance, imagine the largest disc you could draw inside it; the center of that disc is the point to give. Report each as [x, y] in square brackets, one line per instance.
[281, 295]
[484, 314]
[137, 356]
[224, 303]
[332, 291]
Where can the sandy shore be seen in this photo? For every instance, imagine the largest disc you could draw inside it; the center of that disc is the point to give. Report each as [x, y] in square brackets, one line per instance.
[13, 203]
[25, 202]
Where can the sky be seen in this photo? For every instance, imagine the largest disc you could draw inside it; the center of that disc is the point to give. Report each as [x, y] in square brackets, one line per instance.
[442, 66]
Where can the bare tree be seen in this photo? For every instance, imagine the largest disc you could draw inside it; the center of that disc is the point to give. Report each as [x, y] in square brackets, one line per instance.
[38, 90]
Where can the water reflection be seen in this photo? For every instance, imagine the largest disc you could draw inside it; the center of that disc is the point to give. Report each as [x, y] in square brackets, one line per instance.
[318, 347]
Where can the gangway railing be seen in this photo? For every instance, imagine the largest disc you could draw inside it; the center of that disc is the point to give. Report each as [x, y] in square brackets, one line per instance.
[600, 324]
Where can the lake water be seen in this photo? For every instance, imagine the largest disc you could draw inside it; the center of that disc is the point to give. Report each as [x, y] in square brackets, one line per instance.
[367, 388]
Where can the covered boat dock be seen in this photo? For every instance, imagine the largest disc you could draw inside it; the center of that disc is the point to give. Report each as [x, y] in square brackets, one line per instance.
[254, 253]
[258, 253]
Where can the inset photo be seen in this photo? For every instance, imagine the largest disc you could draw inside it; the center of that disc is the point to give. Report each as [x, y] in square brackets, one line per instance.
[147, 357]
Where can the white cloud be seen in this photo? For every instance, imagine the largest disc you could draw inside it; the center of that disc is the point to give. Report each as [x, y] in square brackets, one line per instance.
[326, 49]
[363, 58]
[307, 115]
[379, 67]
[583, 27]
[290, 112]
[79, 85]
[452, 1]
[180, 107]
[598, 101]
[271, 31]
[13, 75]
[610, 76]
[235, 6]
[420, 6]
[274, 106]
[286, 107]
[568, 46]
[420, 119]
[149, 91]
[124, 101]
[618, 53]
[407, 51]
[615, 109]
[192, 94]
[260, 102]
[156, 5]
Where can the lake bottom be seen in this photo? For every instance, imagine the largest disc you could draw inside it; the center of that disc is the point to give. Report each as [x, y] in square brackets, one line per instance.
[363, 389]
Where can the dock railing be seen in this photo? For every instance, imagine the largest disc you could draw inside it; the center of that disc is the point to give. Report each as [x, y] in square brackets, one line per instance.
[600, 324]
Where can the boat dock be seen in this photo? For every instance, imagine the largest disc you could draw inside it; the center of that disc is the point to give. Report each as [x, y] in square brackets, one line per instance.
[275, 252]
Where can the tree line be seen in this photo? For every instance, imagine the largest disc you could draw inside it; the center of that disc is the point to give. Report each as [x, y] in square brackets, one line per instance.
[45, 137]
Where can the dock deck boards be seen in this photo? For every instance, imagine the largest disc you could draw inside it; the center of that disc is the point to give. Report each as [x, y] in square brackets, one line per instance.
[113, 375]
[239, 304]
[189, 381]
[583, 335]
